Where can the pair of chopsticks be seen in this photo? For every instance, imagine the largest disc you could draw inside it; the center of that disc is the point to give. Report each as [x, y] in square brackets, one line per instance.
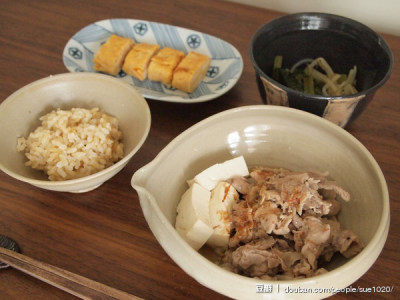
[74, 284]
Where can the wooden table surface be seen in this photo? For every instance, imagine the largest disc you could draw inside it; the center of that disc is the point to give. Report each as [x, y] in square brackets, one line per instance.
[102, 234]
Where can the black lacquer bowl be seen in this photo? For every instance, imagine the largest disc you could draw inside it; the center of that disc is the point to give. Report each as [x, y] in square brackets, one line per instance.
[341, 41]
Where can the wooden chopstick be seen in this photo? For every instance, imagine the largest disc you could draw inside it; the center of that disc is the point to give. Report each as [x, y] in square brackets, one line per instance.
[74, 284]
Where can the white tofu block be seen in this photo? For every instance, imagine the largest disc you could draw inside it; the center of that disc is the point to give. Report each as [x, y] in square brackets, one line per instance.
[193, 220]
[223, 196]
[210, 177]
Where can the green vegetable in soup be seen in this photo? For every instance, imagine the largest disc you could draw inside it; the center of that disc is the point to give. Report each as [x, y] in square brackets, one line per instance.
[316, 78]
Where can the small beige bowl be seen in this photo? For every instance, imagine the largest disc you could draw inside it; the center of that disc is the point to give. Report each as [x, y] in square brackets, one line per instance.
[277, 137]
[20, 112]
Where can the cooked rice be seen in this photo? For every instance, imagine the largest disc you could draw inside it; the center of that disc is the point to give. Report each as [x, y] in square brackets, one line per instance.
[73, 143]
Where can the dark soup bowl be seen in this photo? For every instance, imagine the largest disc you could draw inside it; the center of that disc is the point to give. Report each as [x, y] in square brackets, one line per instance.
[344, 44]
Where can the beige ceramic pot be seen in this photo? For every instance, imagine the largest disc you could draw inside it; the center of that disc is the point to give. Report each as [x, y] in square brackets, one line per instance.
[276, 137]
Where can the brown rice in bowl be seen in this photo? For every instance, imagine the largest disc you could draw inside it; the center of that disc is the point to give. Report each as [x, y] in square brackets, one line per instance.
[74, 143]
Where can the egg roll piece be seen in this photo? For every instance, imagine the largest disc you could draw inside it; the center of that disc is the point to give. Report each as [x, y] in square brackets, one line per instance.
[191, 71]
[138, 59]
[163, 64]
[110, 56]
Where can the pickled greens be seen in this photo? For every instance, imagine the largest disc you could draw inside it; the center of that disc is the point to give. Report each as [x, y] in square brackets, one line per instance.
[315, 76]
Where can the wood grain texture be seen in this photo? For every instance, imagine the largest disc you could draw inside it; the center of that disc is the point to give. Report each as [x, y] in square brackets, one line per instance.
[102, 235]
[74, 284]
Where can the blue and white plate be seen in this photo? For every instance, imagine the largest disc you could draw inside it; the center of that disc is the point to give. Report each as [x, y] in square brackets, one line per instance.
[226, 61]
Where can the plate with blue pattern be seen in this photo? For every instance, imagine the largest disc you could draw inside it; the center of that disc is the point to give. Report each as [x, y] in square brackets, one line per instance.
[225, 68]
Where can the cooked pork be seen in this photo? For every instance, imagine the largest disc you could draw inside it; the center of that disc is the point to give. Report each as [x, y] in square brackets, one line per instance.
[284, 225]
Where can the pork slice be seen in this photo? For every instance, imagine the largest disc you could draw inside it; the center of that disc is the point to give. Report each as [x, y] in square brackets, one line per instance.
[332, 185]
[317, 204]
[327, 194]
[298, 238]
[254, 259]
[260, 174]
[267, 216]
[327, 253]
[287, 258]
[293, 194]
[297, 221]
[328, 185]
[269, 195]
[242, 223]
[283, 177]
[240, 184]
[334, 208]
[344, 240]
[304, 270]
[312, 238]
[282, 226]
[347, 243]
